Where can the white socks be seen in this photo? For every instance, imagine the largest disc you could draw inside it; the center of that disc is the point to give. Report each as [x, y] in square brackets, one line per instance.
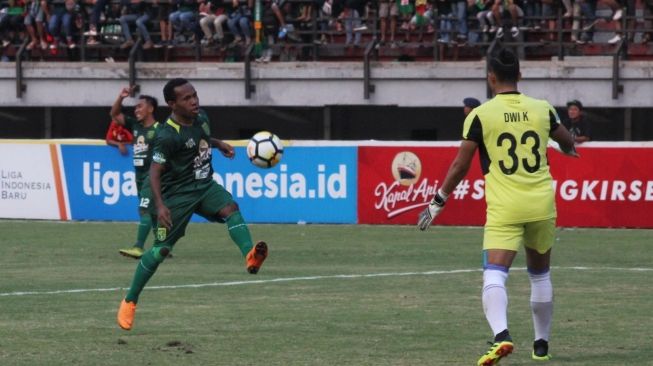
[495, 299]
[541, 304]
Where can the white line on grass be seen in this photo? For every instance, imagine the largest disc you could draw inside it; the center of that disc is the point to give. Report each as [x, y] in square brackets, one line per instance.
[306, 278]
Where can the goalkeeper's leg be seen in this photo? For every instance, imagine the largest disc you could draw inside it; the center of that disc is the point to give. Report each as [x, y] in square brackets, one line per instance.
[541, 302]
[495, 306]
[538, 240]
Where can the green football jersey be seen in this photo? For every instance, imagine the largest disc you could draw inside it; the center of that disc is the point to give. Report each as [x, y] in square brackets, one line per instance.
[186, 153]
[143, 139]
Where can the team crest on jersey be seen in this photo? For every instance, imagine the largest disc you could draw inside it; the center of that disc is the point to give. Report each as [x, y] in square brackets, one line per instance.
[161, 234]
[159, 158]
[150, 134]
[190, 144]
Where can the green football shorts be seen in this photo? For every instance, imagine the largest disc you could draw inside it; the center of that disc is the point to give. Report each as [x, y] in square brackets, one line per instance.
[206, 203]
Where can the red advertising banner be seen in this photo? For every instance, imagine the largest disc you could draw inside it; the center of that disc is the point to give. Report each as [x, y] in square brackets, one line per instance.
[606, 187]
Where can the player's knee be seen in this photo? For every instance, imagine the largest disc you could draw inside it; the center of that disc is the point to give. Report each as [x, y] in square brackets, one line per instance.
[229, 209]
[160, 253]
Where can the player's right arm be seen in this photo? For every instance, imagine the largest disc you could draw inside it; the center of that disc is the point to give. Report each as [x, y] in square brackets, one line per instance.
[457, 171]
[162, 151]
[460, 166]
[163, 213]
[116, 108]
[472, 138]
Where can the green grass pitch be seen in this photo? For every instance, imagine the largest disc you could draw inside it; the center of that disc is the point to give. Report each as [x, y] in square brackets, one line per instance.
[328, 295]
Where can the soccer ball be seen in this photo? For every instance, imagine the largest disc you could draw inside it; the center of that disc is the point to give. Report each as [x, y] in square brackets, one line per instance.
[264, 149]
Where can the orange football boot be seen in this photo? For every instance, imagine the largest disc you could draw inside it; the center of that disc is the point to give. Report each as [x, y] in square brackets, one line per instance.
[256, 256]
[126, 314]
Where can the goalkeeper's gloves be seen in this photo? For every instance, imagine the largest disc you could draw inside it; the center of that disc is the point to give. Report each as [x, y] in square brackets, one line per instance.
[432, 210]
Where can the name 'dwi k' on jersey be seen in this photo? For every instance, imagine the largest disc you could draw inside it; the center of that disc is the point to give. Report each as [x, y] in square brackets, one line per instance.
[512, 131]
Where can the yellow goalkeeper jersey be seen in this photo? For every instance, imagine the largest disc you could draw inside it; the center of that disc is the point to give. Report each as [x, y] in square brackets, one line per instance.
[512, 131]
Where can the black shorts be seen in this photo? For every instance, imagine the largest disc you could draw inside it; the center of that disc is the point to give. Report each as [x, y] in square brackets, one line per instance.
[164, 12]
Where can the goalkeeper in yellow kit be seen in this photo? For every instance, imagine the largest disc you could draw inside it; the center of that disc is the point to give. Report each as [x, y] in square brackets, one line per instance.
[511, 132]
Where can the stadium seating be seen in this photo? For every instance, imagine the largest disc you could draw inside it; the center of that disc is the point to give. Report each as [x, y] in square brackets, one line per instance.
[306, 44]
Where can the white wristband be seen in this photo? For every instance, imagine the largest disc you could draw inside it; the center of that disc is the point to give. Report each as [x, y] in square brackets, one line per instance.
[442, 194]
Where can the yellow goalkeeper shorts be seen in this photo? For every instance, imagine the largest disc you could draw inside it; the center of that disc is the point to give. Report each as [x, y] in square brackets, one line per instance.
[537, 235]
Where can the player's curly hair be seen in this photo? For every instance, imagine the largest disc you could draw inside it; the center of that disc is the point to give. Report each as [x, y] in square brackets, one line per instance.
[150, 100]
[505, 65]
[169, 89]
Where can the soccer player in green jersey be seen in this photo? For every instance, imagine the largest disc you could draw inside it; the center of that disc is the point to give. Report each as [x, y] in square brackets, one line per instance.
[143, 128]
[181, 178]
[511, 132]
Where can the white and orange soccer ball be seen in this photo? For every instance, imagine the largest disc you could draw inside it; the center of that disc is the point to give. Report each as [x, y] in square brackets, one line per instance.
[265, 149]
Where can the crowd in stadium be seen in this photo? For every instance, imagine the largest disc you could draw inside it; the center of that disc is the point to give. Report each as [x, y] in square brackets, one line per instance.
[53, 25]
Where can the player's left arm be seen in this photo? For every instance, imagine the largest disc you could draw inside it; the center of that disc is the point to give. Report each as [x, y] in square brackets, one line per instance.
[560, 134]
[226, 149]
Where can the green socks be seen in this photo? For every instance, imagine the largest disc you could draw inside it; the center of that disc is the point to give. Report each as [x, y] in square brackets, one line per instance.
[144, 270]
[239, 232]
[144, 228]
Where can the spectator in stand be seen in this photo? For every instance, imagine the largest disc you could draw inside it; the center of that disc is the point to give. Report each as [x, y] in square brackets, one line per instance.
[469, 104]
[284, 29]
[577, 122]
[482, 9]
[648, 11]
[324, 13]
[162, 10]
[60, 24]
[34, 24]
[184, 15]
[587, 10]
[550, 11]
[212, 17]
[306, 11]
[11, 19]
[617, 14]
[459, 10]
[502, 8]
[352, 16]
[406, 11]
[533, 9]
[270, 30]
[423, 18]
[138, 12]
[445, 12]
[119, 136]
[388, 11]
[239, 22]
[94, 20]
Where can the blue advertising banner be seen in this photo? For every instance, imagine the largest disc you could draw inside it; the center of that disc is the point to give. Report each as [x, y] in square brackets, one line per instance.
[311, 184]
[101, 183]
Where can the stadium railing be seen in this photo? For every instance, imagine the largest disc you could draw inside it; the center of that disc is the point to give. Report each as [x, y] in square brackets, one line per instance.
[306, 43]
